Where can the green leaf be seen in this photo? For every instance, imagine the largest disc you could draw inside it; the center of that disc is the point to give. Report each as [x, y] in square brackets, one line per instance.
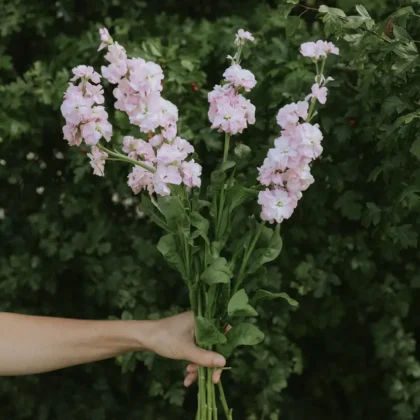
[331, 10]
[269, 253]
[265, 294]
[217, 272]
[244, 334]
[202, 225]
[362, 11]
[242, 151]
[238, 195]
[150, 210]
[349, 205]
[238, 305]
[292, 25]
[207, 334]
[168, 247]
[173, 210]
[218, 299]
[408, 10]
[415, 148]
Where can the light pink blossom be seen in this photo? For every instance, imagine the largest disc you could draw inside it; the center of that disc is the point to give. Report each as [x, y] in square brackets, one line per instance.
[163, 176]
[239, 77]
[297, 179]
[310, 137]
[320, 93]
[72, 134]
[85, 73]
[319, 49]
[277, 204]
[289, 115]
[242, 36]
[191, 173]
[97, 160]
[105, 38]
[141, 179]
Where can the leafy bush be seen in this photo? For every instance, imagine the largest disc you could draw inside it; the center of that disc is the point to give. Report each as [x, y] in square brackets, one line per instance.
[76, 246]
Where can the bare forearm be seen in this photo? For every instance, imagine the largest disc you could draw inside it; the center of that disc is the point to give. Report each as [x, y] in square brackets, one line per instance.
[31, 344]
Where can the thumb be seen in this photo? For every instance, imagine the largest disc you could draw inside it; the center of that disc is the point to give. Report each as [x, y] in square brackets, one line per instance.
[204, 358]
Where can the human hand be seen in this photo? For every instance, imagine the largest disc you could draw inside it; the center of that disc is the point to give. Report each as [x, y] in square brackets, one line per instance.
[174, 337]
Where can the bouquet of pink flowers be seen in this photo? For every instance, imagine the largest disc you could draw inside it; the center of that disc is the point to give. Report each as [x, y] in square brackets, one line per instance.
[211, 237]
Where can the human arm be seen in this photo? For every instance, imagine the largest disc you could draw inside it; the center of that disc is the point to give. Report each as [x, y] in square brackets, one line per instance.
[33, 344]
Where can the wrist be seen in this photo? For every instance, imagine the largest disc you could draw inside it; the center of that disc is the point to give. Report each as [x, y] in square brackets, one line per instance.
[143, 334]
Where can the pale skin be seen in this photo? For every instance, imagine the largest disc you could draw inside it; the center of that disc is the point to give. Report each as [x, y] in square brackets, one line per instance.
[33, 344]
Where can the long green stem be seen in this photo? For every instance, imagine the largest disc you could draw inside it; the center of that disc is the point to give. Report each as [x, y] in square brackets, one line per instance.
[215, 415]
[228, 413]
[123, 158]
[222, 191]
[226, 148]
[210, 389]
[247, 256]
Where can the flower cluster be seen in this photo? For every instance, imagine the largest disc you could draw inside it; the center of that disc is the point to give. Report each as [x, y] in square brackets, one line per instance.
[138, 93]
[286, 169]
[318, 49]
[85, 118]
[229, 111]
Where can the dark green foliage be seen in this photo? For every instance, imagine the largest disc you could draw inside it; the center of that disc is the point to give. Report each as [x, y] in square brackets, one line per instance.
[82, 247]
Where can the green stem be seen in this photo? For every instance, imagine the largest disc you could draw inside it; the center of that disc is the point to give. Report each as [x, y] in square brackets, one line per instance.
[201, 371]
[311, 109]
[202, 392]
[228, 413]
[226, 148]
[123, 158]
[210, 389]
[215, 415]
[247, 256]
[222, 191]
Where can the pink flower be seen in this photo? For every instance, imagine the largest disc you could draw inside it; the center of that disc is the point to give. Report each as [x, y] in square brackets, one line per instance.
[72, 134]
[191, 173]
[319, 93]
[285, 154]
[145, 76]
[327, 47]
[163, 176]
[319, 49]
[76, 107]
[96, 126]
[230, 112]
[297, 179]
[310, 137]
[289, 115]
[117, 68]
[242, 36]
[145, 151]
[85, 73]
[95, 92]
[97, 160]
[240, 77]
[105, 38]
[270, 173]
[277, 204]
[156, 140]
[175, 152]
[140, 179]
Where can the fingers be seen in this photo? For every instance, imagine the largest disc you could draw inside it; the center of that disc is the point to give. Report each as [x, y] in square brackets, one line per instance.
[205, 358]
[190, 379]
[216, 376]
[192, 376]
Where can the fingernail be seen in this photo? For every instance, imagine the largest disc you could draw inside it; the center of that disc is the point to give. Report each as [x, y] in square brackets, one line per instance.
[219, 361]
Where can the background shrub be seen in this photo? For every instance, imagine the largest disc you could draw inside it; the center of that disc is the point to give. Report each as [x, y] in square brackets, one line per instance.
[75, 245]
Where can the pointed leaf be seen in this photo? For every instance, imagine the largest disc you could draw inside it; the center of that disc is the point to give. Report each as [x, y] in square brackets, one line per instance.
[207, 334]
[168, 247]
[265, 294]
[238, 305]
[217, 272]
